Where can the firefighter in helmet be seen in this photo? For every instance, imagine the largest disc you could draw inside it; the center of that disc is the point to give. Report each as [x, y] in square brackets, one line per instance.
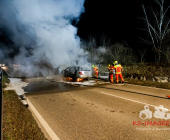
[109, 71]
[118, 70]
[96, 73]
[110, 68]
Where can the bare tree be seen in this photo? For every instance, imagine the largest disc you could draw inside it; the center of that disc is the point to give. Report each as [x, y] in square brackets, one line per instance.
[91, 47]
[119, 52]
[142, 54]
[158, 31]
[105, 41]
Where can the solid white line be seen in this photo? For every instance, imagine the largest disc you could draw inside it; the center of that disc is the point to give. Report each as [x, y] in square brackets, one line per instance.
[50, 132]
[148, 87]
[130, 100]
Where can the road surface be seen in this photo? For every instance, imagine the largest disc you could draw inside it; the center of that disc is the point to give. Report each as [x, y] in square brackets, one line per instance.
[102, 112]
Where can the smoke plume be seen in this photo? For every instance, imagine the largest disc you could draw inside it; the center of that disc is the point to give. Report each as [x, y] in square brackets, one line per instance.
[35, 32]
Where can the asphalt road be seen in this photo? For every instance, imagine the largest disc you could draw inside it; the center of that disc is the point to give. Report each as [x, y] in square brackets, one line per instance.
[103, 112]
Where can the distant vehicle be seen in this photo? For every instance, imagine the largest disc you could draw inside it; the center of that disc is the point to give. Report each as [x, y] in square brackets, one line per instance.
[75, 72]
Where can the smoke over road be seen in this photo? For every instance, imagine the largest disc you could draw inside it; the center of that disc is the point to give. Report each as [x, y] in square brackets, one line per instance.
[40, 31]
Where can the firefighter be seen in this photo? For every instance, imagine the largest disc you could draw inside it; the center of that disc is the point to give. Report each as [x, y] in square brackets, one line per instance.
[96, 73]
[94, 69]
[110, 68]
[118, 70]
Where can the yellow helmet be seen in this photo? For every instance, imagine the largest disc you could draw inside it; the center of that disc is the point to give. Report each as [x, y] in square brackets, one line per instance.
[92, 66]
[109, 65]
[116, 62]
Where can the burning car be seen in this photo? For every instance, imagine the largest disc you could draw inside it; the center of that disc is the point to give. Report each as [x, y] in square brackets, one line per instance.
[76, 73]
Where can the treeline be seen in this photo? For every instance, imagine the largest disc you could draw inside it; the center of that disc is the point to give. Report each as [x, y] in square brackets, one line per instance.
[153, 44]
[107, 52]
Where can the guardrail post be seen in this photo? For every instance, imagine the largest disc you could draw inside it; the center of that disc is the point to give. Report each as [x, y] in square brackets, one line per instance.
[1, 103]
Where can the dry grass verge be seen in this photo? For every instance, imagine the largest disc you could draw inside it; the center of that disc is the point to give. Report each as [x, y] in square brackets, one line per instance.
[18, 122]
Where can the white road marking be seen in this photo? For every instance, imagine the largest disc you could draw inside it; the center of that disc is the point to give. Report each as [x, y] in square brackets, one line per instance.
[148, 87]
[130, 100]
[48, 129]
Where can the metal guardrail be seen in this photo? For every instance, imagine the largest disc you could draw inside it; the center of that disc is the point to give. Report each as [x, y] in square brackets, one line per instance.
[1, 103]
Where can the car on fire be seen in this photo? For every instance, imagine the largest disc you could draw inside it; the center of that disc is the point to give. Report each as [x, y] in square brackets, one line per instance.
[76, 72]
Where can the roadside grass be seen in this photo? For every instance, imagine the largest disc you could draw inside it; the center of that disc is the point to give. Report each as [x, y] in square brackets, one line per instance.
[18, 122]
[148, 83]
[5, 79]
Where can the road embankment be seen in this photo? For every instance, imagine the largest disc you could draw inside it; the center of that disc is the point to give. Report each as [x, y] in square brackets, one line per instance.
[18, 122]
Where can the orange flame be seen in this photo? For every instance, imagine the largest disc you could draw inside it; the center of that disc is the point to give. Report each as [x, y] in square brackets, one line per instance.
[69, 79]
[79, 79]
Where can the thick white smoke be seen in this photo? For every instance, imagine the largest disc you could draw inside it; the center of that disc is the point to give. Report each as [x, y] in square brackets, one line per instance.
[42, 28]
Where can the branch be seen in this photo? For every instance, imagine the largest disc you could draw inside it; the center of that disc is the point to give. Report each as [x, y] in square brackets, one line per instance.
[142, 52]
[153, 29]
[158, 2]
[166, 11]
[148, 25]
[111, 55]
[155, 18]
[161, 17]
[142, 29]
[150, 43]
[155, 33]
[165, 30]
[141, 18]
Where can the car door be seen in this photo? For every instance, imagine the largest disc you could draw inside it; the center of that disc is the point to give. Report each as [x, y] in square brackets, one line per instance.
[66, 72]
[72, 72]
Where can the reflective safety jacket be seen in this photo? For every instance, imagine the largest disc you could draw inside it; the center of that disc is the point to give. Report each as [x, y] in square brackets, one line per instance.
[110, 69]
[95, 69]
[118, 69]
